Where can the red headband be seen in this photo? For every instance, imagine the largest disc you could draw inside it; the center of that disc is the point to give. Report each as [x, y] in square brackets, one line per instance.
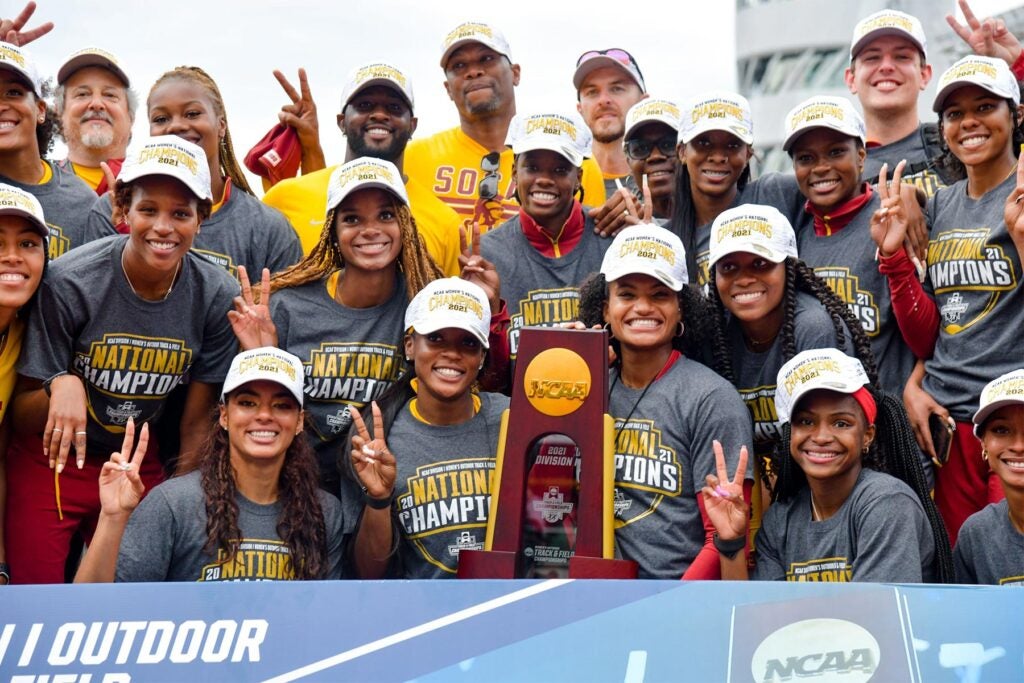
[866, 402]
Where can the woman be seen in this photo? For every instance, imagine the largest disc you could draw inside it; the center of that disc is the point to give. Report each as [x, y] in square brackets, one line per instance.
[104, 349]
[843, 227]
[990, 547]
[652, 127]
[432, 428]
[716, 137]
[241, 230]
[61, 193]
[545, 252]
[23, 235]
[667, 407]
[253, 513]
[851, 501]
[974, 268]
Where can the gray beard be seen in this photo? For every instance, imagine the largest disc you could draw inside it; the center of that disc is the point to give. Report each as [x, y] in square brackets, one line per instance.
[97, 140]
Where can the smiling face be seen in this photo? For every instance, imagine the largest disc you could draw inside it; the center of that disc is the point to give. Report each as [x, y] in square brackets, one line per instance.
[446, 362]
[715, 161]
[888, 75]
[262, 419]
[164, 219]
[828, 165]
[22, 257]
[828, 435]
[751, 287]
[977, 126]
[377, 122]
[643, 312]
[659, 166]
[20, 112]
[1002, 437]
[480, 81]
[605, 96]
[96, 111]
[366, 226]
[183, 108]
[547, 183]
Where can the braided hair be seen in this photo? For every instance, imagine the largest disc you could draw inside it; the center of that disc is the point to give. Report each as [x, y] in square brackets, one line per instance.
[895, 452]
[325, 258]
[229, 165]
[301, 525]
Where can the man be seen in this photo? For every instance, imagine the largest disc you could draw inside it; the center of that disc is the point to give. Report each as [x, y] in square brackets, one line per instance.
[469, 167]
[608, 83]
[96, 107]
[377, 120]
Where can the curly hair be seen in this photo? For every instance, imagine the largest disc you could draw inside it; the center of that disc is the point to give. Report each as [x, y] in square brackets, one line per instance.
[954, 168]
[895, 452]
[301, 525]
[415, 262]
[50, 127]
[229, 165]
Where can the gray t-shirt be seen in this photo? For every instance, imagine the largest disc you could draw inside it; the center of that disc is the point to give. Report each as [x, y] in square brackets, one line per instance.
[975, 272]
[351, 356]
[989, 549]
[166, 535]
[663, 452]
[65, 199]
[540, 291]
[846, 261]
[129, 352]
[245, 231]
[879, 534]
[756, 373]
[919, 172]
[443, 487]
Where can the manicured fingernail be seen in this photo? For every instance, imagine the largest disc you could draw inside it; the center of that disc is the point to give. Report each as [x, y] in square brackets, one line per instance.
[81, 464]
[721, 492]
[60, 468]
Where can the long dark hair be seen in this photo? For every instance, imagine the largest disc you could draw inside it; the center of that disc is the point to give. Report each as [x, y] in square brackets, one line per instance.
[301, 525]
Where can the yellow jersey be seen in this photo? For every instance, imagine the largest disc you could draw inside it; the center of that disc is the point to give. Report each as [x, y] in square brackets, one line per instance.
[9, 352]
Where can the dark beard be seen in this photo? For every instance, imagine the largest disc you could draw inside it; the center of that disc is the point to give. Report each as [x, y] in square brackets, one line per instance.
[390, 153]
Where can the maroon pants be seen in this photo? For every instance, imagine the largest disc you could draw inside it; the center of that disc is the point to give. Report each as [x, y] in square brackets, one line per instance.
[965, 484]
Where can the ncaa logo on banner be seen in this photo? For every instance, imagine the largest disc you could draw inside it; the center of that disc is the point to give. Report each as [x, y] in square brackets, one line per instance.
[818, 650]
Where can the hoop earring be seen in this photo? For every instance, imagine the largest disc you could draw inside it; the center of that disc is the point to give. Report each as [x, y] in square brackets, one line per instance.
[608, 328]
[984, 455]
[865, 450]
[682, 329]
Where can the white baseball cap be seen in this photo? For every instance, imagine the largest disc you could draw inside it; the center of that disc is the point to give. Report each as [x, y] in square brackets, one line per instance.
[362, 173]
[18, 60]
[16, 202]
[718, 110]
[377, 73]
[450, 302]
[754, 229]
[834, 113]
[474, 32]
[651, 111]
[171, 156]
[266, 363]
[646, 249]
[566, 135]
[888, 22]
[1005, 390]
[816, 369]
[987, 73]
[91, 56]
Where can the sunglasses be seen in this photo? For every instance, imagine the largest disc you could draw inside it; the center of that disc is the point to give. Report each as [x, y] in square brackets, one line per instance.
[641, 149]
[615, 53]
[488, 187]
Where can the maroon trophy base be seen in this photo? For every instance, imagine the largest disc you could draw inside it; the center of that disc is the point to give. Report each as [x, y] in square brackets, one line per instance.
[487, 564]
[581, 567]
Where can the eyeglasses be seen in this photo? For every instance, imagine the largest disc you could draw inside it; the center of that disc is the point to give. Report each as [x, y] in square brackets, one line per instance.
[615, 53]
[641, 149]
[488, 188]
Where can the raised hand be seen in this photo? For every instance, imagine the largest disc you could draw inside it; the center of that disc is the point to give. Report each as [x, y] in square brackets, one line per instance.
[477, 269]
[121, 487]
[889, 223]
[10, 29]
[301, 115]
[988, 37]
[373, 462]
[250, 321]
[1013, 213]
[618, 211]
[723, 498]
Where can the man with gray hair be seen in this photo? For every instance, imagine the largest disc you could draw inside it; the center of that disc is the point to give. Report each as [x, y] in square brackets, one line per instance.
[96, 106]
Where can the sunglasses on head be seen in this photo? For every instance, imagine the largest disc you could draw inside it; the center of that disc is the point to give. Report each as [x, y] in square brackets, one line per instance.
[641, 149]
[488, 187]
[615, 53]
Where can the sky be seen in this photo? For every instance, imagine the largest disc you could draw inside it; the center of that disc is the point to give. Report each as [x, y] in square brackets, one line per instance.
[683, 48]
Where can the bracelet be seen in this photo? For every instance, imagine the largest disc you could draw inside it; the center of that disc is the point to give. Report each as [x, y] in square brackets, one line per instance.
[729, 549]
[5, 571]
[47, 382]
[378, 503]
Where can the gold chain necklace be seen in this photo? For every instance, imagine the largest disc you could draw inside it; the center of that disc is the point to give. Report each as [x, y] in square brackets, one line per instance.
[170, 287]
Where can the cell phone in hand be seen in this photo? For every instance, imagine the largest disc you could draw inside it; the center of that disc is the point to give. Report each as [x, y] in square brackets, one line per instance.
[942, 438]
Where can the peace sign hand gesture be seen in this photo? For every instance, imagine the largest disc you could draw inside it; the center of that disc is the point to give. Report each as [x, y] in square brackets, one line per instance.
[477, 269]
[989, 37]
[373, 462]
[121, 487]
[251, 321]
[723, 499]
[10, 29]
[1013, 214]
[889, 223]
[301, 115]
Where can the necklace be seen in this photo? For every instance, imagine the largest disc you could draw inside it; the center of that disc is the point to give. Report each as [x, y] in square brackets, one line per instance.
[816, 516]
[136, 292]
[633, 409]
[762, 342]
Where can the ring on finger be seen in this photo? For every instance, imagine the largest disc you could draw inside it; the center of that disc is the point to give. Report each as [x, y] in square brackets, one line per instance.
[57, 429]
[81, 433]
